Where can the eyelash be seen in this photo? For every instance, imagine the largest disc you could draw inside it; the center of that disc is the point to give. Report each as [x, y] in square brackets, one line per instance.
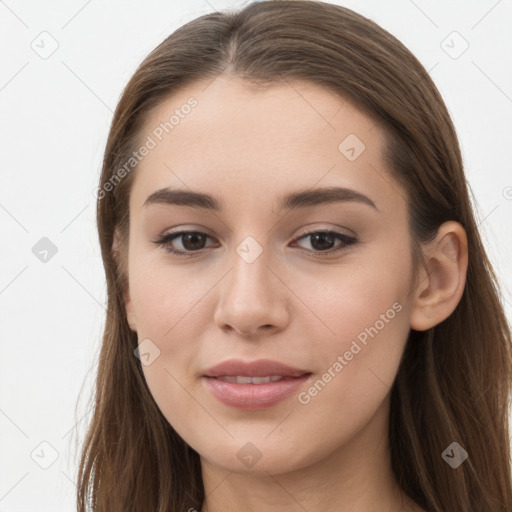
[165, 240]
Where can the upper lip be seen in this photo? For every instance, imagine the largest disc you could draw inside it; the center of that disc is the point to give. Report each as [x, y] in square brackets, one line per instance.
[258, 368]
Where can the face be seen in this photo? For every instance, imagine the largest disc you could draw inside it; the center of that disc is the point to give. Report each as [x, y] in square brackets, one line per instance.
[323, 286]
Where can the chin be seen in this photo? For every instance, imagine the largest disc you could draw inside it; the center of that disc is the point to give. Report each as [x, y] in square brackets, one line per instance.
[259, 458]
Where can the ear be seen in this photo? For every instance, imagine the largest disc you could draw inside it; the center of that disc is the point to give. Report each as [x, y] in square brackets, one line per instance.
[118, 255]
[442, 277]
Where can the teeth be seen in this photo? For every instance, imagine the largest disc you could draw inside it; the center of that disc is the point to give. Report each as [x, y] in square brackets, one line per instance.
[242, 379]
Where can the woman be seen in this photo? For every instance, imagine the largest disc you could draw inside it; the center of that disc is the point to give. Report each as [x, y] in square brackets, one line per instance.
[301, 314]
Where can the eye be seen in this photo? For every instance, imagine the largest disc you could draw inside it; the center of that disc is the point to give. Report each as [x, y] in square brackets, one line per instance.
[322, 241]
[194, 242]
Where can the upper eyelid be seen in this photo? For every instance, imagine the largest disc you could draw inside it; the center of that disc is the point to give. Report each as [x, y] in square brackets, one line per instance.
[308, 230]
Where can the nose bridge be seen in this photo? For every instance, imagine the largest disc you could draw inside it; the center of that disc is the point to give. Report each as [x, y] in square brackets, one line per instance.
[251, 295]
[250, 275]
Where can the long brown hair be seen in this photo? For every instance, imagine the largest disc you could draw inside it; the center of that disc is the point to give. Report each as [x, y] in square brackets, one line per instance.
[455, 379]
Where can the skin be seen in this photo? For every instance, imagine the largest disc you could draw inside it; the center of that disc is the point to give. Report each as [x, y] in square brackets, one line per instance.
[247, 147]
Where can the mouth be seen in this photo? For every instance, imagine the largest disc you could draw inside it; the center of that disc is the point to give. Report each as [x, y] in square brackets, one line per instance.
[260, 368]
[244, 379]
[253, 385]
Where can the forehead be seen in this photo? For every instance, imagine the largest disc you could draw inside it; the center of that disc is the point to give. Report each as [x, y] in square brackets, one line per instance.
[247, 143]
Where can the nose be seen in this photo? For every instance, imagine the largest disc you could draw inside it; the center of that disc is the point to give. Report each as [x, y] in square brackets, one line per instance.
[253, 299]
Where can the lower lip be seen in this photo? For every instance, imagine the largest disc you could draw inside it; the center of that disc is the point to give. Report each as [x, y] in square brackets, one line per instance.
[254, 396]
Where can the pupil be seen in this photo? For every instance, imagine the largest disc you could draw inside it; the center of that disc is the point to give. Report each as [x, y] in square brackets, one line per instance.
[318, 237]
[192, 237]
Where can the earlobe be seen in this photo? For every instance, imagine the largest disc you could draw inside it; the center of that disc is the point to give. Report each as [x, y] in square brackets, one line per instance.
[442, 278]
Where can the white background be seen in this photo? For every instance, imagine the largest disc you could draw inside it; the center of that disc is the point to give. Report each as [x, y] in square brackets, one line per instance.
[55, 116]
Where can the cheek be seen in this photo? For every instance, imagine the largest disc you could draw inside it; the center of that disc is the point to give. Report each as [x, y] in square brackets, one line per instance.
[366, 311]
[165, 297]
[360, 359]
[167, 305]
[356, 366]
[173, 393]
[356, 298]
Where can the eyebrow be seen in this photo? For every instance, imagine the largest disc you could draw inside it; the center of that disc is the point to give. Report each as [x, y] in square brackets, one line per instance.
[299, 199]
